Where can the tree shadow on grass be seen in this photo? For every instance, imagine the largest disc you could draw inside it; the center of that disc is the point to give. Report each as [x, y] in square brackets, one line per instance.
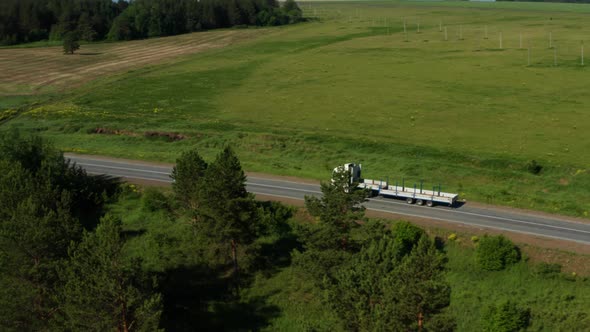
[272, 256]
[199, 298]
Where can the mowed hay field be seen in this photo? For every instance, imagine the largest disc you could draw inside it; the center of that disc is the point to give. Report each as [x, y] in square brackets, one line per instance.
[465, 112]
[25, 71]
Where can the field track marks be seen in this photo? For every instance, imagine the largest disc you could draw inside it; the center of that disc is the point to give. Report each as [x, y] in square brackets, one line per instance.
[45, 67]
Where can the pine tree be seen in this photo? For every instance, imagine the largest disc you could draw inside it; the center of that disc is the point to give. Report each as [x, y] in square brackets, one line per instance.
[362, 292]
[229, 211]
[103, 291]
[422, 292]
[339, 209]
[395, 283]
[44, 204]
[188, 176]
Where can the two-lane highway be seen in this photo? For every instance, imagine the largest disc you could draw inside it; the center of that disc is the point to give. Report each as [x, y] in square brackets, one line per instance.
[533, 224]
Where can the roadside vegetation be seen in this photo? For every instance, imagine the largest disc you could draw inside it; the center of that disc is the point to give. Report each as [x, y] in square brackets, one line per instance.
[83, 252]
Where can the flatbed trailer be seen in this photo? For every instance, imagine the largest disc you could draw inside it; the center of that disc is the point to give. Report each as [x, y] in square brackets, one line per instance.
[412, 195]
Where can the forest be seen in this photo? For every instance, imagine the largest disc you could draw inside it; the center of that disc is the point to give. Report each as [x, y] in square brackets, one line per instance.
[69, 263]
[25, 21]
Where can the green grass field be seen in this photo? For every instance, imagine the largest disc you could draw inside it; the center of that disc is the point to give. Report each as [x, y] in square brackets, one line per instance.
[352, 86]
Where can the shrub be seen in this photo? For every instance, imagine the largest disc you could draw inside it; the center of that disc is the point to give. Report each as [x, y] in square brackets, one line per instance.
[474, 239]
[452, 237]
[505, 317]
[406, 236]
[494, 253]
[548, 270]
[154, 200]
[533, 167]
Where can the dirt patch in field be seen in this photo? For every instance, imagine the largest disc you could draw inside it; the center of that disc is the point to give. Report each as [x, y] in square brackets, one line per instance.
[172, 137]
[48, 67]
[108, 131]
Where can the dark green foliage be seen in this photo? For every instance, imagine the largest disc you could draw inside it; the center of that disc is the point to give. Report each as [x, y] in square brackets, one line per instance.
[292, 10]
[227, 205]
[45, 203]
[34, 20]
[422, 291]
[71, 42]
[386, 288]
[23, 21]
[506, 317]
[548, 270]
[154, 200]
[272, 217]
[534, 167]
[494, 253]
[328, 243]
[338, 210]
[406, 236]
[227, 212]
[103, 290]
[188, 176]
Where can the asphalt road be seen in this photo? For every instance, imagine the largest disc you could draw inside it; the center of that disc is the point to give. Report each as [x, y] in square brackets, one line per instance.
[532, 224]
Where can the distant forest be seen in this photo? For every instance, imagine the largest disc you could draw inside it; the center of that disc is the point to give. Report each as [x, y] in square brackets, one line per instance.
[24, 21]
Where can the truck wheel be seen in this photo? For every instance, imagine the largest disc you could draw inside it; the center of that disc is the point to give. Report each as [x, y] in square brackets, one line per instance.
[410, 200]
[419, 202]
[429, 203]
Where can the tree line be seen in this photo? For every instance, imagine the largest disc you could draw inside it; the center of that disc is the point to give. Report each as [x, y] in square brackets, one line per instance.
[23, 21]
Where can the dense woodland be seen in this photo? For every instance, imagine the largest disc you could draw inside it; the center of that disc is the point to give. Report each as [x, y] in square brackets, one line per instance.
[68, 263]
[23, 21]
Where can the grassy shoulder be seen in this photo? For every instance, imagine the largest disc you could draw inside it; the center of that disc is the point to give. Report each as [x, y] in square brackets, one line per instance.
[463, 113]
[285, 299]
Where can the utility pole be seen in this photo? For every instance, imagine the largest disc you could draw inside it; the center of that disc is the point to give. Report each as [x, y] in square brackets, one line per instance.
[529, 56]
[582, 50]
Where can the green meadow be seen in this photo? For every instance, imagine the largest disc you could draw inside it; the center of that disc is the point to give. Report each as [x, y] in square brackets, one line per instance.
[471, 112]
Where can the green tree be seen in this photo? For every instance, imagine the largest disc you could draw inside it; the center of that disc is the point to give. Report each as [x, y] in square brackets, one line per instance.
[104, 291]
[44, 204]
[123, 27]
[494, 253]
[33, 241]
[85, 28]
[229, 211]
[339, 209]
[71, 42]
[422, 292]
[395, 283]
[507, 316]
[362, 293]
[292, 10]
[188, 177]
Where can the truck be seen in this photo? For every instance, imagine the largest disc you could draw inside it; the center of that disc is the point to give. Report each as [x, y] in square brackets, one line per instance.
[412, 195]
